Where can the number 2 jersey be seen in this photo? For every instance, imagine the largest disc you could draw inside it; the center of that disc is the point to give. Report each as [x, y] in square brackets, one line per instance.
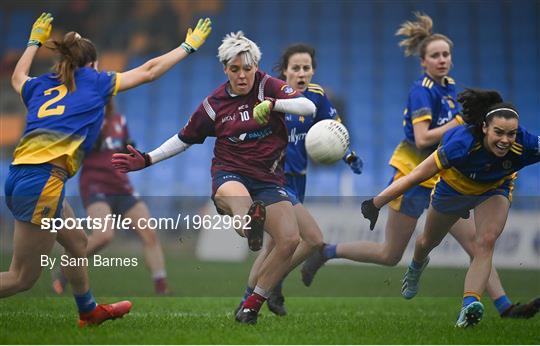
[471, 170]
[61, 124]
[298, 127]
[242, 145]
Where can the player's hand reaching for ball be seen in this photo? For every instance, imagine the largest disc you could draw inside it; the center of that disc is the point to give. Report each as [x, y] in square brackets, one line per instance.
[195, 38]
[370, 212]
[262, 111]
[41, 30]
[134, 161]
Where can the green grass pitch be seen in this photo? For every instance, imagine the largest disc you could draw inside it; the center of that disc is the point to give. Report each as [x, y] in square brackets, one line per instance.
[345, 305]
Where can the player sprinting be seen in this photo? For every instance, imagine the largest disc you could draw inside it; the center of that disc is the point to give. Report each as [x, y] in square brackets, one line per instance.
[104, 191]
[297, 66]
[65, 112]
[247, 116]
[477, 165]
[431, 111]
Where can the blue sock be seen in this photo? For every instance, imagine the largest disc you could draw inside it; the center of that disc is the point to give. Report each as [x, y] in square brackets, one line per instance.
[416, 265]
[502, 303]
[329, 251]
[468, 300]
[85, 302]
[247, 293]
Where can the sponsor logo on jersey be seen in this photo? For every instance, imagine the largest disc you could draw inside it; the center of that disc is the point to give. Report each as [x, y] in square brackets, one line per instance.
[507, 164]
[253, 135]
[444, 120]
[296, 137]
[228, 118]
[287, 89]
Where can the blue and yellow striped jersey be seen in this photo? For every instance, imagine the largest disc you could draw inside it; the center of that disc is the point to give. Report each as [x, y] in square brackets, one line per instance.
[298, 127]
[60, 124]
[430, 101]
[472, 170]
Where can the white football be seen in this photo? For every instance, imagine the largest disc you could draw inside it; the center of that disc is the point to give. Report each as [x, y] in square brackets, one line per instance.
[327, 141]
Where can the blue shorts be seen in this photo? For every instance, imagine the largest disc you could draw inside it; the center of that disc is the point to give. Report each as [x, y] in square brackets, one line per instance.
[413, 202]
[446, 200]
[34, 192]
[268, 193]
[296, 187]
[119, 204]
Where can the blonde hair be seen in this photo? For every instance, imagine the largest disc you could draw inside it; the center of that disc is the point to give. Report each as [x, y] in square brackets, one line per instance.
[418, 35]
[236, 44]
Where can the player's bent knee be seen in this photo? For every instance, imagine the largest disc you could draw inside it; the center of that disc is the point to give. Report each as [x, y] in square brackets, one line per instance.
[24, 283]
[390, 259]
[486, 242]
[289, 244]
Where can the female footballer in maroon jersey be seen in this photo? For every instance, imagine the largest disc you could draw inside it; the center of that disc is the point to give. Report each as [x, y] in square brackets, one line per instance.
[105, 190]
[247, 116]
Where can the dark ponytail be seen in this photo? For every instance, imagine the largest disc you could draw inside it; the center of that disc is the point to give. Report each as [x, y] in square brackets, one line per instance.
[75, 52]
[477, 105]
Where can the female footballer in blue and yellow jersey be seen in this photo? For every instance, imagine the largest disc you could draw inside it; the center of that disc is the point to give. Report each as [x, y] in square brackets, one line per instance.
[65, 114]
[298, 127]
[431, 111]
[477, 166]
[297, 67]
[431, 104]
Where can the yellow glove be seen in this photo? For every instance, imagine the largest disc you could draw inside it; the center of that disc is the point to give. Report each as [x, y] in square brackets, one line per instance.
[261, 112]
[195, 39]
[41, 30]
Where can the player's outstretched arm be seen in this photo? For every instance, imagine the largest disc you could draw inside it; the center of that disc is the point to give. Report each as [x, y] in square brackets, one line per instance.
[370, 208]
[299, 106]
[41, 31]
[424, 171]
[154, 68]
[137, 160]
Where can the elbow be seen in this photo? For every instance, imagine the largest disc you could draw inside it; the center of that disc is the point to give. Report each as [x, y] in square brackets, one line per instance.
[148, 72]
[422, 143]
[149, 76]
[15, 82]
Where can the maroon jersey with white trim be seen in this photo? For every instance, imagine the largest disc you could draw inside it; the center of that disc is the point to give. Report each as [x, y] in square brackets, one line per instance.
[243, 146]
[97, 174]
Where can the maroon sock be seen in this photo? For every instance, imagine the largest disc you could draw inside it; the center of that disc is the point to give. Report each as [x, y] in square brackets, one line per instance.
[254, 302]
[160, 286]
